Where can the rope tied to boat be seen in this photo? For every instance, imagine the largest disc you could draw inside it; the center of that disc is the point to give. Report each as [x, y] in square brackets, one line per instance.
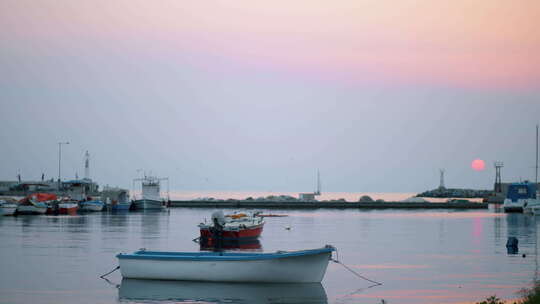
[108, 273]
[337, 261]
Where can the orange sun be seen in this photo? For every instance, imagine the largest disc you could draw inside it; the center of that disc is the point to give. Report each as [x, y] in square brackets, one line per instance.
[478, 165]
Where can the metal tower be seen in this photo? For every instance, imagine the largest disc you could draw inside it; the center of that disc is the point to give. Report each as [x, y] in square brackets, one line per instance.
[498, 182]
[87, 165]
[318, 191]
[441, 184]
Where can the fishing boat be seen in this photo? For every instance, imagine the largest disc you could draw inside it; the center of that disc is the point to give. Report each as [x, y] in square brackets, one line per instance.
[302, 266]
[116, 199]
[239, 226]
[35, 203]
[151, 291]
[68, 207]
[7, 208]
[519, 196]
[151, 198]
[91, 205]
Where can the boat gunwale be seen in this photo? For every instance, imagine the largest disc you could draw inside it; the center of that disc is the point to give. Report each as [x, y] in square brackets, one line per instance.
[220, 256]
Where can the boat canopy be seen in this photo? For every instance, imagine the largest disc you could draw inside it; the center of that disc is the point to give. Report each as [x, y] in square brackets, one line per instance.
[521, 191]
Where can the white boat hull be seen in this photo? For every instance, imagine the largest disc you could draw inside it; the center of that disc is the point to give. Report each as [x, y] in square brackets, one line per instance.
[31, 209]
[294, 269]
[510, 206]
[8, 209]
[149, 204]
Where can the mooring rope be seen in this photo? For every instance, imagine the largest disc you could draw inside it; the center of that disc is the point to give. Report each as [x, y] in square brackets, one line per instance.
[108, 273]
[356, 273]
[352, 271]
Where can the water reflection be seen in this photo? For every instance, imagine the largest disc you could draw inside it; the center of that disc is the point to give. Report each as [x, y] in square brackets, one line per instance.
[521, 226]
[152, 290]
[209, 245]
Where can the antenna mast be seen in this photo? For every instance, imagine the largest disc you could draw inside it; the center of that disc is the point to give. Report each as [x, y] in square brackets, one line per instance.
[318, 192]
[86, 165]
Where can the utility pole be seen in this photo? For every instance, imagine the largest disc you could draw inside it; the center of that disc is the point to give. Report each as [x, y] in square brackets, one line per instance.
[60, 162]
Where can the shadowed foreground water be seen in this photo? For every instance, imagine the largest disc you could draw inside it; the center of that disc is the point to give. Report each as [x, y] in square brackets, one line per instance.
[419, 256]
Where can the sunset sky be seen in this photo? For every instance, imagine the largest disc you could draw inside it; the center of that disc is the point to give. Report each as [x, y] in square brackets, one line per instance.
[256, 95]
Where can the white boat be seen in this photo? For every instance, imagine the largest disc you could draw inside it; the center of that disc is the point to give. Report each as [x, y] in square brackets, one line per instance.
[535, 210]
[36, 203]
[7, 208]
[151, 291]
[146, 204]
[91, 205]
[302, 266]
[520, 196]
[116, 199]
[150, 198]
[37, 208]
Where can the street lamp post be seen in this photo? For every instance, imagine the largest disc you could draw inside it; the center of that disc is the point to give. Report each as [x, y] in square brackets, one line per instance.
[60, 161]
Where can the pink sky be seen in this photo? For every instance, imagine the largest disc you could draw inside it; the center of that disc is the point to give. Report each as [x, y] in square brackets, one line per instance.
[481, 43]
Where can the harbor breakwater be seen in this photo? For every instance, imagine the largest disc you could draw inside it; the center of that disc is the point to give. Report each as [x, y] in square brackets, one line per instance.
[328, 205]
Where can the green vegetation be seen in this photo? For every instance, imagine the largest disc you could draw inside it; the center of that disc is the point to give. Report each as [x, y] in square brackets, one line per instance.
[530, 296]
[492, 300]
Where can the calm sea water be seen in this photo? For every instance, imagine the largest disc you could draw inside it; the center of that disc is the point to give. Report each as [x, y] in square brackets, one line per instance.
[420, 256]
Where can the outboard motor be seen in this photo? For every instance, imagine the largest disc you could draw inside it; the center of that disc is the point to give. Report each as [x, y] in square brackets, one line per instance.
[512, 245]
[218, 219]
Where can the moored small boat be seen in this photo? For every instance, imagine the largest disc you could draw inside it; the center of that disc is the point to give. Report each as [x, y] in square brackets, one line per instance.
[68, 207]
[91, 205]
[520, 196]
[36, 203]
[116, 199]
[150, 198]
[302, 266]
[240, 226]
[7, 208]
[149, 204]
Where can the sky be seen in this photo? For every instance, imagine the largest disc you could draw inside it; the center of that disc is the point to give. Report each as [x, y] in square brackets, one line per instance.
[258, 95]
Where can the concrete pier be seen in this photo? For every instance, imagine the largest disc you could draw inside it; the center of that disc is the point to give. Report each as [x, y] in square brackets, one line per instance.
[327, 205]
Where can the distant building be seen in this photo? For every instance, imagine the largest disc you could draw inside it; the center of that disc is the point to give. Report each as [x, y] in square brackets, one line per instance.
[307, 196]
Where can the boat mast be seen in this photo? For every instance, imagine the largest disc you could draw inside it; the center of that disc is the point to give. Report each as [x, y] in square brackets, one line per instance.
[536, 167]
[318, 191]
[536, 172]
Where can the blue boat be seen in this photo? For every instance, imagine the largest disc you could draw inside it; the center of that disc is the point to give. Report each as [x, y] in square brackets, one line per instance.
[301, 266]
[91, 205]
[116, 199]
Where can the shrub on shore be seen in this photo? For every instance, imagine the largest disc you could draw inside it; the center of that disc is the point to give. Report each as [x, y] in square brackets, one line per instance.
[530, 296]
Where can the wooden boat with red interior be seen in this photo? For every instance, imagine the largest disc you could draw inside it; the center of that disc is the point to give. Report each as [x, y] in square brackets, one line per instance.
[238, 226]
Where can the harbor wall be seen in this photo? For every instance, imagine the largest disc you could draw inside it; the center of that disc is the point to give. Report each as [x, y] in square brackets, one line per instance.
[329, 205]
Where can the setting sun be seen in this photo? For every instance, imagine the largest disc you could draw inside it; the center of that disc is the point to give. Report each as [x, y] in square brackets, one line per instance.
[478, 165]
